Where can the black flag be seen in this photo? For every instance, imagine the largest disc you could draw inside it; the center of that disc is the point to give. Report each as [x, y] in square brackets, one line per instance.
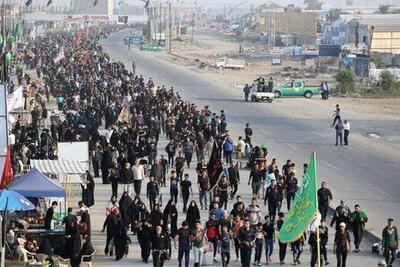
[214, 167]
[28, 3]
[95, 2]
[49, 2]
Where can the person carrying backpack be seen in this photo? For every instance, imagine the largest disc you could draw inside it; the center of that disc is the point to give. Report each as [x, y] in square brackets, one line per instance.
[212, 233]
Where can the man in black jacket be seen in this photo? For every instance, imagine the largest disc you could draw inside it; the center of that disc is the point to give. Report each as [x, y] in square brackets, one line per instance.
[272, 195]
[324, 197]
[159, 245]
[152, 192]
[234, 178]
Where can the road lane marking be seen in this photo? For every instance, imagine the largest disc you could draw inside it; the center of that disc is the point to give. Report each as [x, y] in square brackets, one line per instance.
[379, 191]
[330, 165]
[318, 134]
[290, 145]
[265, 132]
[355, 149]
[394, 165]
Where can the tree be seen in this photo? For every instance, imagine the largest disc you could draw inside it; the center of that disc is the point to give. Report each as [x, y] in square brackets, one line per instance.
[313, 4]
[376, 59]
[333, 14]
[388, 81]
[384, 9]
[346, 80]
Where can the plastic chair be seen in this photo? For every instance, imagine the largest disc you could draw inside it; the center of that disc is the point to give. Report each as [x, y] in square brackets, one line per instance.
[86, 260]
[60, 261]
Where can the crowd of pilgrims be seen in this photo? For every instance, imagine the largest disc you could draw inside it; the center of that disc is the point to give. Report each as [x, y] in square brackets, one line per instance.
[91, 91]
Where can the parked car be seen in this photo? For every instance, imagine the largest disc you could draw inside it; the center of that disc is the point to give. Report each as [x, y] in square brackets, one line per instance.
[296, 88]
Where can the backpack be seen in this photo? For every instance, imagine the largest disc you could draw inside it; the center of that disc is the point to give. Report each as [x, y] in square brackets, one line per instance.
[211, 232]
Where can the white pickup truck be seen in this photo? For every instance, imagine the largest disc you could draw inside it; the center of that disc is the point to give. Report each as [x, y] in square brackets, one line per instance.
[256, 94]
[230, 63]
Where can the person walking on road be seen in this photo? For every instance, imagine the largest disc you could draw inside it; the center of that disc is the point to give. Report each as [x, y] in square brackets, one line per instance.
[203, 184]
[346, 127]
[342, 245]
[246, 91]
[138, 176]
[246, 238]
[248, 132]
[324, 197]
[198, 241]
[358, 219]
[282, 246]
[228, 148]
[339, 133]
[186, 190]
[159, 246]
[336, 115]
[390, 242]
[183, 237]
[234, 178]
[152, 192]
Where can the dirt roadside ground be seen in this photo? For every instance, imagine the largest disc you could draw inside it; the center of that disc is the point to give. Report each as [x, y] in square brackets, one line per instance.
[208, 49]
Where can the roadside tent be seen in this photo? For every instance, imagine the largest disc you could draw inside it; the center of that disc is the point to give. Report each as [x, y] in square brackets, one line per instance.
[36, 184]
[59, 167]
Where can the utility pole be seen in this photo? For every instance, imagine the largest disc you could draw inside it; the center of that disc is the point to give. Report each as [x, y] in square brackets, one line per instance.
[193, 20]
[155, 24]
[170, 28]
[180, 18]
[160, 30]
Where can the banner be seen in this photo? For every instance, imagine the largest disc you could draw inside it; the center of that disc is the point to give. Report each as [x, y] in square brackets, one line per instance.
[7, 171]
[214, 167]
[124, 114]
[15, 99]
[304, 207]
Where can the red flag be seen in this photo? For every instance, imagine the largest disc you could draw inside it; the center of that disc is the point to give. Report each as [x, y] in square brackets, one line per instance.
[214, 167]
[78, 36]
[86, 57]
[7, 171]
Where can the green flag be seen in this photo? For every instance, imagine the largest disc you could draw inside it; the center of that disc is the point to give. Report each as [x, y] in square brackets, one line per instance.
[19, 31]
[121, 3]
[265, 144]
[304, 207]
[10, 38]
[1, 39]
[8, 57]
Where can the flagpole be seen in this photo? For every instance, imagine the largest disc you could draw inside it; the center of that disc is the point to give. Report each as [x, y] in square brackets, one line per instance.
[316, 201]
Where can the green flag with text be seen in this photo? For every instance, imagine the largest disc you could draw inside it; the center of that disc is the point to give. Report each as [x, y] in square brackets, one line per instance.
[304, 207]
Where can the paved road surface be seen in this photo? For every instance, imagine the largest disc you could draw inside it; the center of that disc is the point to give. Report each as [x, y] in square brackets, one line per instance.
[351, 174]
[365, 172]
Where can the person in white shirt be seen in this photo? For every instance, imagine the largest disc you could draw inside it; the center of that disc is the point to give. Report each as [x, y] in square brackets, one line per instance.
[138, 176]
[346, 127]
[240, 148]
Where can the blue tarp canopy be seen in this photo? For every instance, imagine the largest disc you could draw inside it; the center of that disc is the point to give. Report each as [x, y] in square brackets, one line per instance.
[36, 184]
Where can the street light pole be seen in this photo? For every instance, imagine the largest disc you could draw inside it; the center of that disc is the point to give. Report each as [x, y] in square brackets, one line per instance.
[4, 34]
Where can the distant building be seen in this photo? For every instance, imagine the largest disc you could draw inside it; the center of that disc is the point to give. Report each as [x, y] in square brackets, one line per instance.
[86, 7]
[290, 21]
[380, 32]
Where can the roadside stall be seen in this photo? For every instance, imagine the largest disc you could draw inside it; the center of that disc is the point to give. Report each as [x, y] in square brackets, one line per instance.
[69, 173]
[36, 187]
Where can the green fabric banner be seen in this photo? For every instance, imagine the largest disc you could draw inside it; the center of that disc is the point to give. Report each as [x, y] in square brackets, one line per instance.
[304, 207]
[8, 57]
[19, 31]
